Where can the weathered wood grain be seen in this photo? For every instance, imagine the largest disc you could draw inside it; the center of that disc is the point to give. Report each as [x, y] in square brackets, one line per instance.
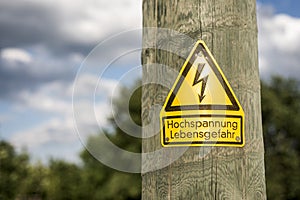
[229, 29]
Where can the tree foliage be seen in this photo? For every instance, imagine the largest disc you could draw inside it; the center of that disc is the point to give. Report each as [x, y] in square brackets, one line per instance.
[13, 170]
[64, 181]
[281, 117]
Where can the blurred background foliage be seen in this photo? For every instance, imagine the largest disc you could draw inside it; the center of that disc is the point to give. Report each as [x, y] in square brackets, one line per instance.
[60, 180]
[281, 127]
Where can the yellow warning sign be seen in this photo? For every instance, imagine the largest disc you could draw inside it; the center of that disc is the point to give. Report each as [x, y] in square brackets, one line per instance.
[201, 109]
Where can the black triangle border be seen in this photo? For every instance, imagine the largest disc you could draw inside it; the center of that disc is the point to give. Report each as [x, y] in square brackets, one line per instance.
[234, 106]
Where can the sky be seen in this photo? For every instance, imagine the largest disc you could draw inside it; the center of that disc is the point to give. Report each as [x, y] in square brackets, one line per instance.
[61, 63]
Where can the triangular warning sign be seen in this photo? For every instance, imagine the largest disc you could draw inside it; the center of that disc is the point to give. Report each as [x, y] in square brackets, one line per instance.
[201, 85]
[201, 109]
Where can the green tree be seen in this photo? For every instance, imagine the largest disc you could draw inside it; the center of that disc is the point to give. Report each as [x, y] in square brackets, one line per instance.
[100, 181]
[34, 186]
[64, 181]
[281, 117]
[21, 180]
[13, 170]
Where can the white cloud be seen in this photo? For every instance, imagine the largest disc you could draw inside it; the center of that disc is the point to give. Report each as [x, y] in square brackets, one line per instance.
[49, 97]
[34, 68]
[56, 97]
[60, 130]
[279, 44]
[53, 138]
[90, 21]
[54, 130]
[85, 21]
[90, 85]
[15, 55]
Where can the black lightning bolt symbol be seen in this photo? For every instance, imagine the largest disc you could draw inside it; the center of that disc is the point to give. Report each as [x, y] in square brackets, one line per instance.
[203, 80]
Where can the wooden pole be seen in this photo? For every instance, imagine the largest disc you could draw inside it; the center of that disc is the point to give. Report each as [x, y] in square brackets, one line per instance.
[229, 29]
